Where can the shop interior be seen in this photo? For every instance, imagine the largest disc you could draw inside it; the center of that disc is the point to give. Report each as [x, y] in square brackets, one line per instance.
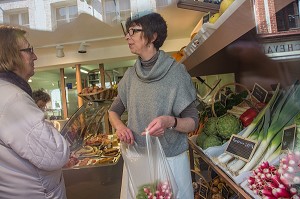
[83, 41]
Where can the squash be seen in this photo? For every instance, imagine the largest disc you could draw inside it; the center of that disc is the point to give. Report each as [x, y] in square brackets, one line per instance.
[179, 54]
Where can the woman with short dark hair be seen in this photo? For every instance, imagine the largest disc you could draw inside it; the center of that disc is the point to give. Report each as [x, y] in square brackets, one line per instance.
[160, 98]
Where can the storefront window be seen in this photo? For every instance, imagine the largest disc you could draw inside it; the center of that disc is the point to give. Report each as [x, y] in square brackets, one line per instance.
[19, 19]
[66, 14]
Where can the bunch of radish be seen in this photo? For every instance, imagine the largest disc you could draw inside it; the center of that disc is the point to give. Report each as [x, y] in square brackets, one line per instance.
[160, 190]
[267, 182]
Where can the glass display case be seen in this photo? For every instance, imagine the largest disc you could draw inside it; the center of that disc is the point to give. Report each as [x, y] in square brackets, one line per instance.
[95, 164]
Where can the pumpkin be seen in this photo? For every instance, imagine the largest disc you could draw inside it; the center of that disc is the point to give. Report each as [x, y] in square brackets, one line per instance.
[179, 54]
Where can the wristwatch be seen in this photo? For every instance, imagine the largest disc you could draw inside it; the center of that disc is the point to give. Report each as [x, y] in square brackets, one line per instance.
[175, 124]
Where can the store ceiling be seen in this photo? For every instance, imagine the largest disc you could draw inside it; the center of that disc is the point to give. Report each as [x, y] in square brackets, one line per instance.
[181, 23]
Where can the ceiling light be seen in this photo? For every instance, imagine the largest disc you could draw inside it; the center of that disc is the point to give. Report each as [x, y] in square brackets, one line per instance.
[60, 51]
[84, 71]
[82, 47]
[30, 80]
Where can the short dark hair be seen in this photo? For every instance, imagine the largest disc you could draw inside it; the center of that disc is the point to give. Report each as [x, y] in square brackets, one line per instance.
[40, 95]
[151, 23]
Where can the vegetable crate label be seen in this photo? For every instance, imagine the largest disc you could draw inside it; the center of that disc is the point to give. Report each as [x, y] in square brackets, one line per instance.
[288, 138]
[242, 148]
[259, 93]
[203, 191]
[225, 192]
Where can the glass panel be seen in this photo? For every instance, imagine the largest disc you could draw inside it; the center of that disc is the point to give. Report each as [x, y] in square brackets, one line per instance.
[25, 18]
[49, 81]
[14, 18]
[61, 13]
[73, 12]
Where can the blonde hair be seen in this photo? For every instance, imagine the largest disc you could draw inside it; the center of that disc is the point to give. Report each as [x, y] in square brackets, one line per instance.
[10, 55]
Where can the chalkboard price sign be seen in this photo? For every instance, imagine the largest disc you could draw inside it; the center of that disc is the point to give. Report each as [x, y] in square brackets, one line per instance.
[206, 18]
[288, 138]
[203, 191]
[225, 192]
[242, 148]
[259, 93]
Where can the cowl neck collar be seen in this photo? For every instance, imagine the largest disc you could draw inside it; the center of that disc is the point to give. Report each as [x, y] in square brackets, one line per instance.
[157, 71]
[16, 80]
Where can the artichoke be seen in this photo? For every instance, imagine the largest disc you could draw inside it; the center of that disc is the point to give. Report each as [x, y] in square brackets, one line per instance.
[210, 127]
[200, 139]
[211, 141]
[227, 125]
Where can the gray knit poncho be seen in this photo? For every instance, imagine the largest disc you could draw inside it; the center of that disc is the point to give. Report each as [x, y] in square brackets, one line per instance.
[165, 90]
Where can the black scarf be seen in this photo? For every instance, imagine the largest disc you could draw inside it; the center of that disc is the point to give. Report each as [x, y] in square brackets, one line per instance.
[16, 80]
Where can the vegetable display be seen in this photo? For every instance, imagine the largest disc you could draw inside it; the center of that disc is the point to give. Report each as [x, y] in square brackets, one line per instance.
[267, 129]
[267, 182]
[218, 130]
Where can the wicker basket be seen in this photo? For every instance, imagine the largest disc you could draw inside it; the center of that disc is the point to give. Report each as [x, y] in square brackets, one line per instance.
[101, 95]
[105, 94]
[249, 98]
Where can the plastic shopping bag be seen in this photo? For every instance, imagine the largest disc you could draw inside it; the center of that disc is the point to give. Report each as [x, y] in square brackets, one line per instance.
[150, 175]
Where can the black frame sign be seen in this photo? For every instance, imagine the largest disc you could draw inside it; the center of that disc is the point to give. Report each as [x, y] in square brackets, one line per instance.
[206, 18]
[288, 138]
[223, 99]
[203, 191]
[259, 93]
[225, 192]
[242, 148]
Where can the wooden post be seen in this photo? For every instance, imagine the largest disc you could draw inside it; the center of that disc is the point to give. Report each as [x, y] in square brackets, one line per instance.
[79, 86]
[102, 78]
[63, 94]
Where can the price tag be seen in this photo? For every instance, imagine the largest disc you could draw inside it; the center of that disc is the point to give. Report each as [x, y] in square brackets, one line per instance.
[259, 93]
[242, 148]
[234, 196]
[225, 192]
[288, 137]
[206, 18]
[223, 99]
[203, 191]
[208, 111]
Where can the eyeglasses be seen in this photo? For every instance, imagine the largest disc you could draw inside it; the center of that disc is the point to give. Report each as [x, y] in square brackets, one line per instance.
[29, 50]
[133, 31]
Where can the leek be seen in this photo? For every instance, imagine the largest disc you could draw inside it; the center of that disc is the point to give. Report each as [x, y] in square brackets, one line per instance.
[286, 109]
[274, 155]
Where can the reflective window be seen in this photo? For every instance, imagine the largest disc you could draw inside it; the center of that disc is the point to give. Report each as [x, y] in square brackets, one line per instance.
[19, 19]
[66, 14]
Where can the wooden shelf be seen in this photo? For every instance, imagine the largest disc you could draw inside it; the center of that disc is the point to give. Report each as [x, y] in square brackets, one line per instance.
[198, 6]
[206, 59]
[237, 189]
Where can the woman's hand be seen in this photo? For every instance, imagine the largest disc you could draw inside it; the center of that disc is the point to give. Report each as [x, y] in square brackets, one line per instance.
[158, 126]
[125, 135]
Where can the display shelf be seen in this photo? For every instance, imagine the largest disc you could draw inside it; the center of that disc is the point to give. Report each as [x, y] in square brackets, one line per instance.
[237, 189]
[204, 60]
